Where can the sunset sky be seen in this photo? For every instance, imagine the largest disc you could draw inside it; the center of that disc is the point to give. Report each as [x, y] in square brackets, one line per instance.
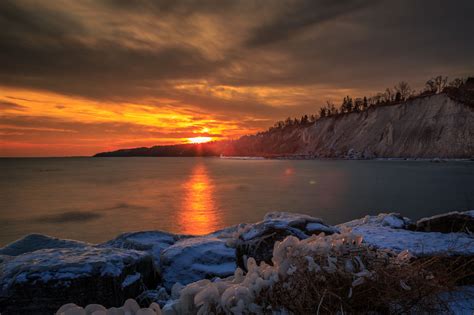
[83, 76]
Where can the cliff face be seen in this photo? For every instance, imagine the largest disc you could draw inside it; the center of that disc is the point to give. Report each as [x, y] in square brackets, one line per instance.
[434, 126]
[426, 127]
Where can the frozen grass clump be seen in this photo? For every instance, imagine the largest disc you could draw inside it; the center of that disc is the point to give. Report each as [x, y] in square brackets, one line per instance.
[326, 274]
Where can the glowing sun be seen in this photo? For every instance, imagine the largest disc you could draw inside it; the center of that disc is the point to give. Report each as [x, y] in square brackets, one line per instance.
[199, 139]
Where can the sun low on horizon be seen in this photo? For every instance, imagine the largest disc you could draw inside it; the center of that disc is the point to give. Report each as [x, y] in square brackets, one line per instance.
[85, 77]
[198, 140]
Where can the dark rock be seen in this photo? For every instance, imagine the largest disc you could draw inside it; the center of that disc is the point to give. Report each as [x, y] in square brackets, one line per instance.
[258, 239]
[159, 296]
[40, 282]
[448, 222]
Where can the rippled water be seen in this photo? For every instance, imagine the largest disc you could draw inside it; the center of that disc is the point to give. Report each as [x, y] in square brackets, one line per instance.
[94, 199]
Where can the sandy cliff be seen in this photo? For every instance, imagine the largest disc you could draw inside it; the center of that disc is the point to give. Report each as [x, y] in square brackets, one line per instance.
[426, 127]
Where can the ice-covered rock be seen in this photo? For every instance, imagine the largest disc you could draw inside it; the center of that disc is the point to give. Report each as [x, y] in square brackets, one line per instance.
[257, 240]
[385, 231]
[196, 258]
[40, 273]
[150, 241]
[41, 281]
[448, 222]
[33, 242]
[390, 220]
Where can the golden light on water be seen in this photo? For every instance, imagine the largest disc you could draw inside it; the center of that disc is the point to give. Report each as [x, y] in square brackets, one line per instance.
[199, 139]
[199, 213]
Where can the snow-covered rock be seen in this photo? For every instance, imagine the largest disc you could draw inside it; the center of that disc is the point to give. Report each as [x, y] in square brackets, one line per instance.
[257, 240]
[391, 220]
[153, 242]
[385, 231]
[33, 242]
[196, 258]
[39, 273]
[43, 280]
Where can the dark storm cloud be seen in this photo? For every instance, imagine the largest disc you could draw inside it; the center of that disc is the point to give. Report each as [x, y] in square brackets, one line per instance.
[370, 46]
[44, 48]
[119, 49]
[182, 8]
[298, 15]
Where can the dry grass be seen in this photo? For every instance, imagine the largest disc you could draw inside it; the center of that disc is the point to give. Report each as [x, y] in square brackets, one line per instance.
[396, 288]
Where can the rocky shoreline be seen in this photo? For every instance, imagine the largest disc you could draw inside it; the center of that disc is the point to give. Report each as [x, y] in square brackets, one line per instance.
[39, 274]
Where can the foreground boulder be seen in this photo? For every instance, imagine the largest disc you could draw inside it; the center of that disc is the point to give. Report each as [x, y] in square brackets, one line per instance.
[153, 242]
[38, 273]
[390, 231]
[39, 282]
[447, 222]
[257, 240]
[33, 242]
[197, 258]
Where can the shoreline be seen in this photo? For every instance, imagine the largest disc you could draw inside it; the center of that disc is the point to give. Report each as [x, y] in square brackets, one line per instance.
[296, 157]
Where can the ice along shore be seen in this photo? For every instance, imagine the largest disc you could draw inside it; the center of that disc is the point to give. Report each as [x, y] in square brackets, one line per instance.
[239, 269]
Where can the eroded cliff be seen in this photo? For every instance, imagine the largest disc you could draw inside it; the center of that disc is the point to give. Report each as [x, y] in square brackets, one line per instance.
[425, 127]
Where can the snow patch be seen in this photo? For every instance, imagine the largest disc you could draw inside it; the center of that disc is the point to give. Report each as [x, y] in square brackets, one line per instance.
[196, 258]
[383, 231]
[153, 242]
[320, 227]
[130, 279]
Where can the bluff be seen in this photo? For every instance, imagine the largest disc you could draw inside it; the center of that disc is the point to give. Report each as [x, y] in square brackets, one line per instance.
[430, 126]
[425, 127]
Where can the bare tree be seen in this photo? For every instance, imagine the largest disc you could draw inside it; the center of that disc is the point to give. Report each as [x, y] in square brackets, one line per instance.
[404, 89]
[377, 98]
[388, 95]
[441, 83]
[436, 85]
[456, 83]
[430, 86]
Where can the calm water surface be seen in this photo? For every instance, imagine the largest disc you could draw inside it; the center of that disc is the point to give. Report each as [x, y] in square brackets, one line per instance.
[95, 199]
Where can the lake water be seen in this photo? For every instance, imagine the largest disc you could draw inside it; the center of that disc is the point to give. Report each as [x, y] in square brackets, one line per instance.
[95, 199]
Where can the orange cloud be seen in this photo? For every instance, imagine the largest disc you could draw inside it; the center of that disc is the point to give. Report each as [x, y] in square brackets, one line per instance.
[47, 124]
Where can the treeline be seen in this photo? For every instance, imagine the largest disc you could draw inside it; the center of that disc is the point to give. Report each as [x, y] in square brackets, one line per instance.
[399, 93]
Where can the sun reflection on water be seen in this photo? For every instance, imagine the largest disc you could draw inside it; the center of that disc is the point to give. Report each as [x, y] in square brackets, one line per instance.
[198, 214]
